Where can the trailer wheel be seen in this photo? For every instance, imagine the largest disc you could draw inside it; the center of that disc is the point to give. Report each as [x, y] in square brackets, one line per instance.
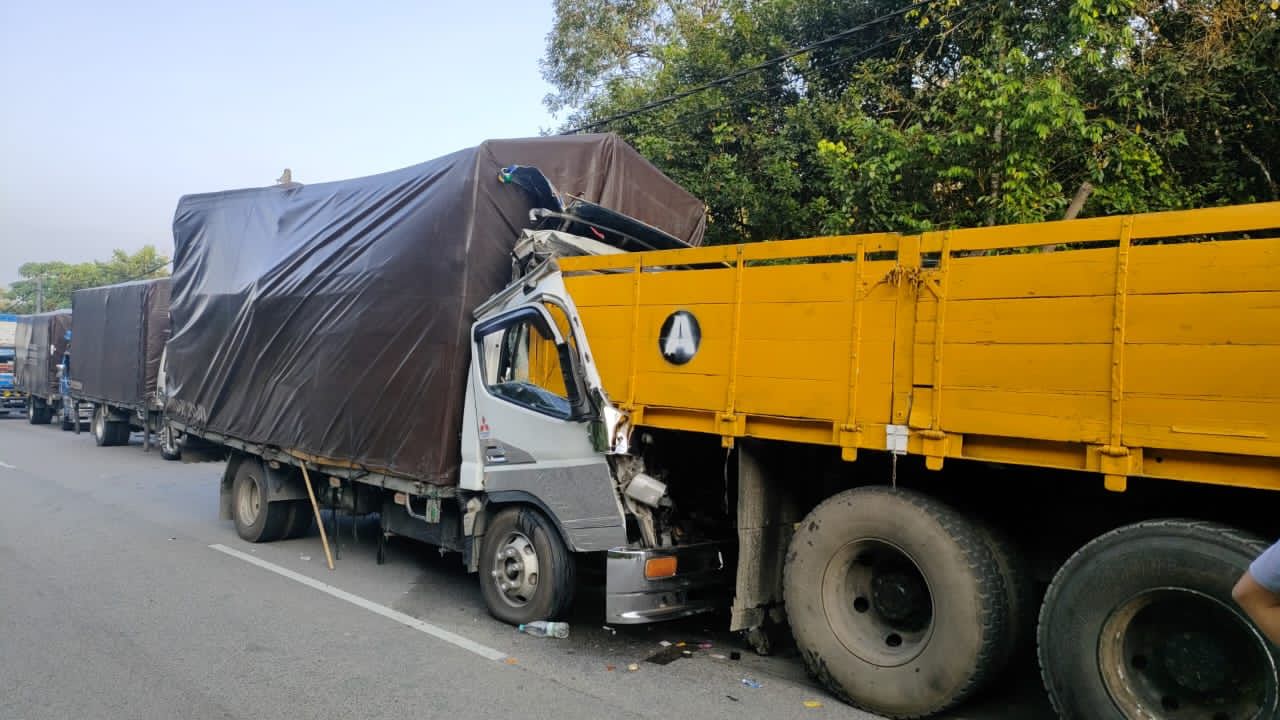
[526, 571]
[101, 436]
[895, 601]
[256, 519]
[301, 518]
[1140, 623]
[37, 411]
[168, 440]
[1020, 600]
[120, 432]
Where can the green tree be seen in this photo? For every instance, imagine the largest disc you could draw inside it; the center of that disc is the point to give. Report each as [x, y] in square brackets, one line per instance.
[56, 280]
[955, 113]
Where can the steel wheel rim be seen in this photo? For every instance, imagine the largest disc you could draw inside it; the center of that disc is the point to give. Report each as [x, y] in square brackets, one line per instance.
[515, 571]
[1175, 651]
[248, 501]
[878, 602]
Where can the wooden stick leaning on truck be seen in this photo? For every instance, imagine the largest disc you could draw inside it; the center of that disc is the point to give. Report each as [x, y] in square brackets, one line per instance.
[315, 508]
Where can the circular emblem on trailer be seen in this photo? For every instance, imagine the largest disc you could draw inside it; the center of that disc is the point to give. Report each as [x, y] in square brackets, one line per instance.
[679, 338]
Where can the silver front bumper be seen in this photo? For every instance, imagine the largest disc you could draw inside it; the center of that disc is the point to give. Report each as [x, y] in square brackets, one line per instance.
[701, 584]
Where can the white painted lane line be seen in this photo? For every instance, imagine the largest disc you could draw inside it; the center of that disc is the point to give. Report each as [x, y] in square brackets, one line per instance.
[439, 633]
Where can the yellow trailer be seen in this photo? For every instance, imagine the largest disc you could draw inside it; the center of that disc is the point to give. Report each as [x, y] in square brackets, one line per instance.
[974, 370]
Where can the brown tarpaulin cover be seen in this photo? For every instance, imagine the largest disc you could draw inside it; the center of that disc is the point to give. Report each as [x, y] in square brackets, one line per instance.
[38, 347]
[333, 319]
[119, 335]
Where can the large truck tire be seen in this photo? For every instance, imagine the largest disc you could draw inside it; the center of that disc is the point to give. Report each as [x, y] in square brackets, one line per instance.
[104, 433]
[167, 438]
[895, 601]
[526, 571]
[1020, 597]
[301, 518]
[37, 411]
[1140, 623]
[257, 520]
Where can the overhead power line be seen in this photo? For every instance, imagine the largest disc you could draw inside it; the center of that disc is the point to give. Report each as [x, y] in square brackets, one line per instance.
[838, 37]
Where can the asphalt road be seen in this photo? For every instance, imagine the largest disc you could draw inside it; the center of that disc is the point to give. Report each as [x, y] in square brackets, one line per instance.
[115, 603]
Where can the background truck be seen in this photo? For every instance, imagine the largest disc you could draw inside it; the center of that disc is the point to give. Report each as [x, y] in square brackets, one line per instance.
[41, 341]
[925, 454]
[118, 341]
[10, 399]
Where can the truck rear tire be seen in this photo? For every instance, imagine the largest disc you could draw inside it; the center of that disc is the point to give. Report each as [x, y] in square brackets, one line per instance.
[1140, 622]
[526, 571]
[1020, 600]
[895, 601]
[37, 412]
[120, 432]
[256, 519]
[168, 441]
[301, 518]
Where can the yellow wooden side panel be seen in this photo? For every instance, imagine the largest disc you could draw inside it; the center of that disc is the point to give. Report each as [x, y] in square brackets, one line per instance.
[795, 334]
[1156, 351]
[1027, 347]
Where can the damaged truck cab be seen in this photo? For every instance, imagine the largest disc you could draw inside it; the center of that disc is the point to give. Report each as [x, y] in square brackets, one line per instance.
[540, 430]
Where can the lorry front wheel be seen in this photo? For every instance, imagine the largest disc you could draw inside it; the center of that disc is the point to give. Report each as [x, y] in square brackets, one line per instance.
[256, 519]
[1140, 623]
[526, 571]
[895, 601]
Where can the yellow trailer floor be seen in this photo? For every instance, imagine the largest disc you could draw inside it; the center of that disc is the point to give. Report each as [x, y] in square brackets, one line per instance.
[1137, 345]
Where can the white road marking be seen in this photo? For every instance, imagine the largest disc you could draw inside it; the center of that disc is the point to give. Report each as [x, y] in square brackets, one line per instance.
[439, 633]
[4, 464]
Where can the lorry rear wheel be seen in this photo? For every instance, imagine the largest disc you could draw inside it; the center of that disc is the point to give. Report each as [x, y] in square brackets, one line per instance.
[895, 601]
[102, 437]
[37, 412]
[168, 441]
[1140, 623]
[1020, 601]
[256, 519]
[119, 432]
[526, 571]
[301, 517]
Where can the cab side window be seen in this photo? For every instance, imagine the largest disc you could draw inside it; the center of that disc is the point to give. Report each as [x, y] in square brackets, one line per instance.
[523, 365]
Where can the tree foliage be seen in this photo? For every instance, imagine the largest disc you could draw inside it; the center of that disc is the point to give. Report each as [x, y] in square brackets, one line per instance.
[956, 113]
[59, 279]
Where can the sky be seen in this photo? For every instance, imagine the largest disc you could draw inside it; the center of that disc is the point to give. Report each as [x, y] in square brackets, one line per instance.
[110, 111]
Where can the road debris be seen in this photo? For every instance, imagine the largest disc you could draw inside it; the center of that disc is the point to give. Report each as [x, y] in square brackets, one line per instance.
[812, 704]
[752, 683]
[633, 667]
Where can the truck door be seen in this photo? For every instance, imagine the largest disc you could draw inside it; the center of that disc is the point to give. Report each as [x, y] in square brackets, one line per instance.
[532, 420]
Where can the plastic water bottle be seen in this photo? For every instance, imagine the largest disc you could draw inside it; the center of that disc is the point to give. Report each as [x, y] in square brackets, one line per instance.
[546, 628]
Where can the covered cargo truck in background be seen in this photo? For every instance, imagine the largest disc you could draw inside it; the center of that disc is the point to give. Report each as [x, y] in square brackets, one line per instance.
[10, 399]
[40, 342]
[119, 337]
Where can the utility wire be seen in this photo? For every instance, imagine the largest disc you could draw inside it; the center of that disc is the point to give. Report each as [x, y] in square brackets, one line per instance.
[956, 16]
[684, 120]
[842, 35]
